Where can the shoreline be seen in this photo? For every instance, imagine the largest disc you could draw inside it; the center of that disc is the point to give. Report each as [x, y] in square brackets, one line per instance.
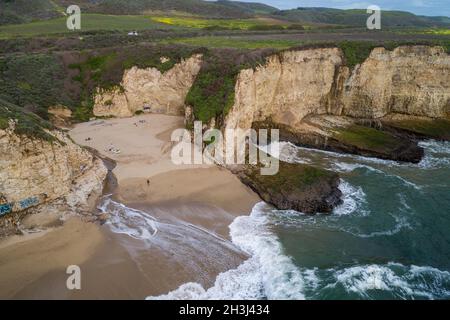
[200, 201]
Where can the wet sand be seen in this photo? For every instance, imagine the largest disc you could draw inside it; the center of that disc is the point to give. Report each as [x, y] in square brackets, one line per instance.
[214, 186]
[24, 259]
[194, 205]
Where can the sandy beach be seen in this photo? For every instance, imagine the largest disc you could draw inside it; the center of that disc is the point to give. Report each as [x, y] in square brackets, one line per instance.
[147, 176]
[192, 206]
[25, 259]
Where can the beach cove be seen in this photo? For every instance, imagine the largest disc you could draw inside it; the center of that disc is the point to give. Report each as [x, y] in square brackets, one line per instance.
[190, 208]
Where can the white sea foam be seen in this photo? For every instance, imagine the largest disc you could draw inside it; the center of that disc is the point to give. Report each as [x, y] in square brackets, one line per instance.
[353, 199]
[402, 281]
[304, 150]
[434, 158]
[436, 154]
[349, 167]
[287, 152]
[434, 146]
[180, 241]
[360, 279]
[268, 273]
[401, 223]
[404, 202]
[135, 223]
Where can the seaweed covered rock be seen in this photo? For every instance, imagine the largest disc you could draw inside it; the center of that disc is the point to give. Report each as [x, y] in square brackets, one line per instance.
[418, 127]
[297, 187]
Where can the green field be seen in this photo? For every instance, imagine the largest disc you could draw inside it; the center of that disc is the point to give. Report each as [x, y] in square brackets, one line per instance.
[431, 31]
[89, 22]
[438, 31]
[229, 42]
[232, 24]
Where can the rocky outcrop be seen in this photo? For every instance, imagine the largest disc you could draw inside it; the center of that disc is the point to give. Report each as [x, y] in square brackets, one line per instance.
[35, 172]
[297, 187]
[294, 84]
[298, 90]
[149, 90]
[290, 86]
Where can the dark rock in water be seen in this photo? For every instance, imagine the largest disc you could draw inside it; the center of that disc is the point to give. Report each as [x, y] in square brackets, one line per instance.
[298, 187]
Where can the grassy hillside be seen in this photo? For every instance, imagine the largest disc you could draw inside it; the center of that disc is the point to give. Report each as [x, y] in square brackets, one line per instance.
[358, 18]
[20, 11]
[38, 81]
[228, 42]
[105, 69]
[34, 82]
[26, 123]
[249, 7]
[195, 7]
[89, 22]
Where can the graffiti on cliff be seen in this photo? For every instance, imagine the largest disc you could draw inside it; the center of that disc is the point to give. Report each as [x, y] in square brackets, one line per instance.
[5, 208]
[27, 203]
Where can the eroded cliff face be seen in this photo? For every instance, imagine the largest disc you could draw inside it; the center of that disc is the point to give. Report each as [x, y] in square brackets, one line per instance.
[413, 80]
[35, 172]
[287, 88]
[150, 89]
[292, 85]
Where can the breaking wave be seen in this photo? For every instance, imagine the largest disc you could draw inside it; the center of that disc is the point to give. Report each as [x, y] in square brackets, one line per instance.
[436, 154]
[270, 273]
[267, 274]
[353, 198]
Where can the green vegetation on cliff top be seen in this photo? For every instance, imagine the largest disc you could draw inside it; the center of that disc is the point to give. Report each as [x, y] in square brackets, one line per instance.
[38, 81]
[255, 24]
[27, 123]
[291, 176]
[105, 70]
[34, 82]
[212, 94]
